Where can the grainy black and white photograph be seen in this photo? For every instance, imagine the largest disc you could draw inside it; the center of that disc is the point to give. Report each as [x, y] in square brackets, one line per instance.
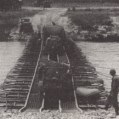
[59, 59]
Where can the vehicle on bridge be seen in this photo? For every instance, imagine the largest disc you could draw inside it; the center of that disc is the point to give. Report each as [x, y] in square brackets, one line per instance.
[54, 39]
[56, 82]
[25, 26]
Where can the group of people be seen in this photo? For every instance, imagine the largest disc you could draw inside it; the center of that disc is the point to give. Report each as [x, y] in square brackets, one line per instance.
[6, 5]
[54, 39]
[55, 30]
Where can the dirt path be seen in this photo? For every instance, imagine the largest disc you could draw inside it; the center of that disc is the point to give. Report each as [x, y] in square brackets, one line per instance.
[53, 14]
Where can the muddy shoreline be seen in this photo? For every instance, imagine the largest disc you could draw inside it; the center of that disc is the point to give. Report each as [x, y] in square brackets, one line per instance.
[94, 24]
[9, 20]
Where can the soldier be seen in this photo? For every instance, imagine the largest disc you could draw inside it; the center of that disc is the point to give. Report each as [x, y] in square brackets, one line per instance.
[53, 73]
[54, 38]
[112, 98]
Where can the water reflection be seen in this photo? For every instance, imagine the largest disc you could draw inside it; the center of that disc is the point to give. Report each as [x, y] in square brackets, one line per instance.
[103, 56]
[9, 53]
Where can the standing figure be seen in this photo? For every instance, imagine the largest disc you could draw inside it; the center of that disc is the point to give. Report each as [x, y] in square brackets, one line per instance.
[54, 38]
[112, 98]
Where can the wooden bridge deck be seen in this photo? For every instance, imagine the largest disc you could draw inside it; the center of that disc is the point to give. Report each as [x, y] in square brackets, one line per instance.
[20, 89]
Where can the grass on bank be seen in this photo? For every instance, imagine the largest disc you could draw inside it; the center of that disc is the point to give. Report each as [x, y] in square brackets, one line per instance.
[88, 18]
[97, 23]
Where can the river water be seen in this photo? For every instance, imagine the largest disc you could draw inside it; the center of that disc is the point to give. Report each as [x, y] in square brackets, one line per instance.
[103, 57]
[9, 53]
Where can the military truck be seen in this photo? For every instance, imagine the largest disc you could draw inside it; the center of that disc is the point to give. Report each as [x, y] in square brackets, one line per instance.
[26, 26]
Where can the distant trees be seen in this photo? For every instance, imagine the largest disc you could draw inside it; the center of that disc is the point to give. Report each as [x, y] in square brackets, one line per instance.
[6, 5]
[44, 3]
[38, 3]
[85, 1]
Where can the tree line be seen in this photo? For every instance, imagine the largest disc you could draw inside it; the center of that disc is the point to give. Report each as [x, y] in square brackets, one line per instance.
[6, 5]
[84, 1]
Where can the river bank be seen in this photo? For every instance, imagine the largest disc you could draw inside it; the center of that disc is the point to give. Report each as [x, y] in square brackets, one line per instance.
[94, 24]
[85, 4]
[10, 20]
